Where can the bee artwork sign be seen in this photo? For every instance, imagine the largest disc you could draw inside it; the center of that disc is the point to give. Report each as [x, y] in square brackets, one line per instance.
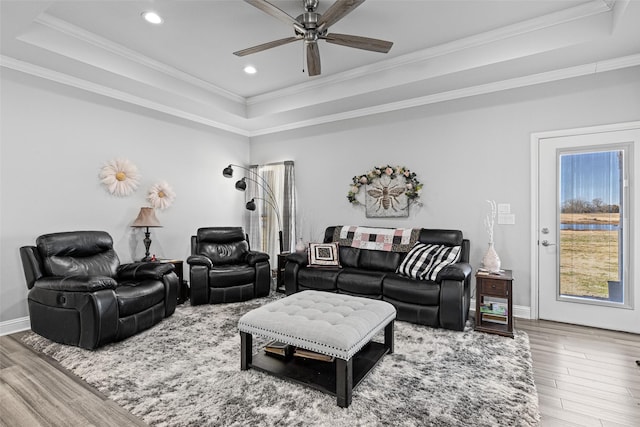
[385, 191]
[385, 198]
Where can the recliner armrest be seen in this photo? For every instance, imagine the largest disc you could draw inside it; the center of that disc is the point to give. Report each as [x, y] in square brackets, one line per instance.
[254, 257]
[199, 260]
[298, 258]
[144, 270]
[458, 271]
[31, 264]
[76, 283]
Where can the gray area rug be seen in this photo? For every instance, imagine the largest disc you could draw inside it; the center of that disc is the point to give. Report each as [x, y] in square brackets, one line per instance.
[186, 371]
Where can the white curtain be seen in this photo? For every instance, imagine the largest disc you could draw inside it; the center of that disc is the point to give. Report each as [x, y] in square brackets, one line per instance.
[273, 188]
[253, 220]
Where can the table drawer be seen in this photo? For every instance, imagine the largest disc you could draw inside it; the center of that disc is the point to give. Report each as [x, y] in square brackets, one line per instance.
[494, 287]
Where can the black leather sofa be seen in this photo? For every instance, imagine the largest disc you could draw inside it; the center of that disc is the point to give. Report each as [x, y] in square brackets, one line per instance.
[223, 269]
[80, 294]
[372, 273]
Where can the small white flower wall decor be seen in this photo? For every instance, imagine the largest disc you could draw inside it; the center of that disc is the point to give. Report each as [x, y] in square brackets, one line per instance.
[120, 177]
[161, 195]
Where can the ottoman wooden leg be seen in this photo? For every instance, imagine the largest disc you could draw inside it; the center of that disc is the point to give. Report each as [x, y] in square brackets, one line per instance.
[388, 336]
[246, 346]
[344, 382]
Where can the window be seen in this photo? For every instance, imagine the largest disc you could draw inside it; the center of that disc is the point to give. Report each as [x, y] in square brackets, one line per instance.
[275, 208]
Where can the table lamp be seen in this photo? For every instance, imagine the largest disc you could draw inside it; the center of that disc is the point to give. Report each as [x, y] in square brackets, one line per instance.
[146, 218]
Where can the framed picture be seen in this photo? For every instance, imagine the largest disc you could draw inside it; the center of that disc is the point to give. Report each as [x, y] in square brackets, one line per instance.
[385, 197]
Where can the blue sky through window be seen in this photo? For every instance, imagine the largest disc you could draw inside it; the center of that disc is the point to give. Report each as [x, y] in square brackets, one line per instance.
[588, 176]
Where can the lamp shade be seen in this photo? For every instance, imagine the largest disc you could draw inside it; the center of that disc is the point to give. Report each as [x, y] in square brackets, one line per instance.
[227, 172]
[146, 218]
[241, 184]
[251, 205]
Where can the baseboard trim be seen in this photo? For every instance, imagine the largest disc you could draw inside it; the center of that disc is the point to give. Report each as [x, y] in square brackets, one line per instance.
[15, 325]
[521, 311]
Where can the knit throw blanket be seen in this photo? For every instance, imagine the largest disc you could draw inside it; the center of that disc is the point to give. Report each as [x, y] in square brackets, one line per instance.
[379, 239]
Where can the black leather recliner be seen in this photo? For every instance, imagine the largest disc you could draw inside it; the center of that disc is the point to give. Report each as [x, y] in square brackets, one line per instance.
[81, 295]
[224, 269]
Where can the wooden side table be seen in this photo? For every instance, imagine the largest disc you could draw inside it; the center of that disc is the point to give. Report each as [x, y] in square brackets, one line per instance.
[282, 261]
[494, 303]
[183, 288]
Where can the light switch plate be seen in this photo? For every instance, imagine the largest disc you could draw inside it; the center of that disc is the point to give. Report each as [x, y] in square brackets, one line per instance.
[506, 219]
[504, 208]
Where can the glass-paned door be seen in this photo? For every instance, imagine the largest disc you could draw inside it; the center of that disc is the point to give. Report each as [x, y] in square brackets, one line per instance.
[586, 232]
[591, 202]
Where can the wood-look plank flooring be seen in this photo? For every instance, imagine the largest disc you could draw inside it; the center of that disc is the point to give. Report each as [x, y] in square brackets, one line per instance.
[584, 377]
[35, 390]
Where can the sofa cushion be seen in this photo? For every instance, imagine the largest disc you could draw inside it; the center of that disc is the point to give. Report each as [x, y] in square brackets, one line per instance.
[223, 245]
[135, 297]
[420, 314]
[349, 256]
[361, 282]
[441, 237]
[424, 261]
[318, 278]
[379, 260]
[225, 276]
[78, 253]
[405, 289]
[224, 253]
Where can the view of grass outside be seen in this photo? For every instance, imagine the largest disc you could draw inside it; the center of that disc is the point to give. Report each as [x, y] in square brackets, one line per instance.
[588, 257]
[590, 238]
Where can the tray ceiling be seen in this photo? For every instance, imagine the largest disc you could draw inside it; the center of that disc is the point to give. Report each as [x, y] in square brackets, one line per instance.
[442, 50]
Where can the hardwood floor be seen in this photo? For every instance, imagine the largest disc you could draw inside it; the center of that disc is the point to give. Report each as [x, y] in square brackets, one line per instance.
[36, 391]
[584, 377]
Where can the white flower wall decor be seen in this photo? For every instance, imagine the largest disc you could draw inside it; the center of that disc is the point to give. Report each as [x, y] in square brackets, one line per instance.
[120, 177]
[161, 195]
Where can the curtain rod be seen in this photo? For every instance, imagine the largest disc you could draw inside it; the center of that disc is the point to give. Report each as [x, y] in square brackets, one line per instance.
[284, 162]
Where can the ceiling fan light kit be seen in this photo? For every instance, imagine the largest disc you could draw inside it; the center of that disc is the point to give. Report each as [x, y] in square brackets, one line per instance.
[312, 26]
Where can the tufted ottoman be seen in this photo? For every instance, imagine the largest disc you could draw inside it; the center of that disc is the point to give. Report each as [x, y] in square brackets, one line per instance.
[337, 325]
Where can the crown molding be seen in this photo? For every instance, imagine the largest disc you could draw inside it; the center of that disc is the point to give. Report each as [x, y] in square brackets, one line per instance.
[69, 29]
[534, 79]
[65, 79]
[582, 11]
[540, 78]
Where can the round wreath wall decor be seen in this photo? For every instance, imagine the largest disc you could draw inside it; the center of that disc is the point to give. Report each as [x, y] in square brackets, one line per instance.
[388, 191]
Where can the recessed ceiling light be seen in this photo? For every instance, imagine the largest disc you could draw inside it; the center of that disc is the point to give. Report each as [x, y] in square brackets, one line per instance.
[250, 69]
[152, 17]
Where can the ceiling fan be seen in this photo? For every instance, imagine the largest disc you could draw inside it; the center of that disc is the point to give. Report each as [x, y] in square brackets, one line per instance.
[311, 26]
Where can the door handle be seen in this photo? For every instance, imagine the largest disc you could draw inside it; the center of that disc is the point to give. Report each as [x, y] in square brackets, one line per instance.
[547, 243]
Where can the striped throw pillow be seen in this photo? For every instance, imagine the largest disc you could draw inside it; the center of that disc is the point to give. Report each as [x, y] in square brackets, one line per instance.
[424, 261]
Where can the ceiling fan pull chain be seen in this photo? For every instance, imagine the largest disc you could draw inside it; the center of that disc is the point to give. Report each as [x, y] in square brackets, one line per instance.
[304, 54]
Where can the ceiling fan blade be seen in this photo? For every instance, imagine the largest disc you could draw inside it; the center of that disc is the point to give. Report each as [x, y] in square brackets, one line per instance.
[359, 42]
[336, 12]
[313, 59]
[277, 13]
[265, 46]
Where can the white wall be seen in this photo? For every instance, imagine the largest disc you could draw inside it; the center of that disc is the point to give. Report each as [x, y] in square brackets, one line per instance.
[54, 141]
[464, 151]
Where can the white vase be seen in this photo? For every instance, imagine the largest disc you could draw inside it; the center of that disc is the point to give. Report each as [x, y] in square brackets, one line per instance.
[491, 260]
